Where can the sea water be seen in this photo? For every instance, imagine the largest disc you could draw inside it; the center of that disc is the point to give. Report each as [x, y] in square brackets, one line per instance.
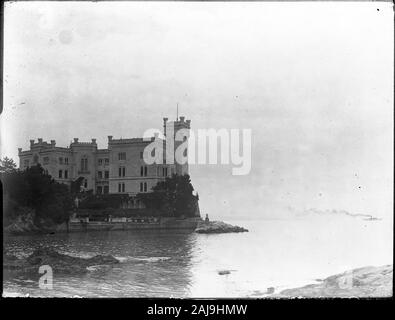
[275, 254]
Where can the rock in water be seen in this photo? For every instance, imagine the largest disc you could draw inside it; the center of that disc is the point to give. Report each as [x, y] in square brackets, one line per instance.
[218, 227]
[223, 272]
[59, 262]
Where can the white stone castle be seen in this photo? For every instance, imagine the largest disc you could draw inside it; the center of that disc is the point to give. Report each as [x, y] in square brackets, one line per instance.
[118, 169]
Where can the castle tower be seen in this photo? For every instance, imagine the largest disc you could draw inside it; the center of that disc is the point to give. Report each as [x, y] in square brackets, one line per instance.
[173, 127]
[178, 125]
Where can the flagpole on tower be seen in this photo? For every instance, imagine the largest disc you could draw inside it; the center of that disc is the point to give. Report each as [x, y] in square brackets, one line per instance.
[177, 111]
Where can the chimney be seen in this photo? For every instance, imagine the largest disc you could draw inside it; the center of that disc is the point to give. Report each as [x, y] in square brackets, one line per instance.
[31, 143]
[75, 140]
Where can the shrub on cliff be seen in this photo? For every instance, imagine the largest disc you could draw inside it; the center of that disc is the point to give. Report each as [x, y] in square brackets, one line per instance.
[172, 197]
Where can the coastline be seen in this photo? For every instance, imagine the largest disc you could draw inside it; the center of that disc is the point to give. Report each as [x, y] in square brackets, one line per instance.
[367, 282]
[195, 224]
[364, 282]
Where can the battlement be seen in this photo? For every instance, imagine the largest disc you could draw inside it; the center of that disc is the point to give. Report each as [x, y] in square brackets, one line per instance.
[42, 144]
[77, 143]
[178, 124]
[128, 141]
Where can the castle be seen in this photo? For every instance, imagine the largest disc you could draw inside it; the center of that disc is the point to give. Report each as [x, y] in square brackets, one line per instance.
[118, 169]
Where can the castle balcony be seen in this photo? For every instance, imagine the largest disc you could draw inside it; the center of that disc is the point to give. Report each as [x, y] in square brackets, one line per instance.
[102, 181]
[84, 172]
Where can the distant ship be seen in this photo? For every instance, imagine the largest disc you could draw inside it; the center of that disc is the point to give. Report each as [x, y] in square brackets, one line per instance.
[371, 218]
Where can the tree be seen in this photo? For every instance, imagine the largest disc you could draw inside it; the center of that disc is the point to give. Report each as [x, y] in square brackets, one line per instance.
[7, 165]
[172, 197]
[75, 186]
[35, 189]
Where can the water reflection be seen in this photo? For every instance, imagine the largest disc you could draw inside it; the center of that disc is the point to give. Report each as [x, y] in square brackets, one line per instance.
[154, 263]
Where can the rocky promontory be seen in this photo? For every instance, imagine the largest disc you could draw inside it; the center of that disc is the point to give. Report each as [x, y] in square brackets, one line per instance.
[361, 282]
[60, 263]
[218, 227]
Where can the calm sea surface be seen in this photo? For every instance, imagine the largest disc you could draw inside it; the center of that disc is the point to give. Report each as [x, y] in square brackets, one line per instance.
[275, 253]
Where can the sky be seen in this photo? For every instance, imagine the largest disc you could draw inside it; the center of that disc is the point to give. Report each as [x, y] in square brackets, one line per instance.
[313, 82]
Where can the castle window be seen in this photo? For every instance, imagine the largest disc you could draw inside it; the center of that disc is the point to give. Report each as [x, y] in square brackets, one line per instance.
[141, 171]
[60, 174]
[60, 160]
[66, 174]
[122, 156]
[121, 187]
[100, 161]
[99, 190]
[121, 171]
[66, 160]
[105, 190]
[145, 171]
[100, 174]
[141, 155]
[145, 186]
[106, 161]
[141, 187]
[85, 183]
[46, 160]
[84, 164]
[106, 174]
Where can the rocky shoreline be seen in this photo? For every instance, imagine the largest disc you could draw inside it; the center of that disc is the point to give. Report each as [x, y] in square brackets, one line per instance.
[218, 227]
[60, 263]
[366, 282]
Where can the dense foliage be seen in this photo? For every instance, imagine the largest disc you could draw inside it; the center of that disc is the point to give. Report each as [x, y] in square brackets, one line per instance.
[103, 201]
[172, 197]
[33, 188]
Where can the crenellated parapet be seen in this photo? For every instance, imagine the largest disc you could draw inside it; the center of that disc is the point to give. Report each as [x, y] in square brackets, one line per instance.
[83, 144]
